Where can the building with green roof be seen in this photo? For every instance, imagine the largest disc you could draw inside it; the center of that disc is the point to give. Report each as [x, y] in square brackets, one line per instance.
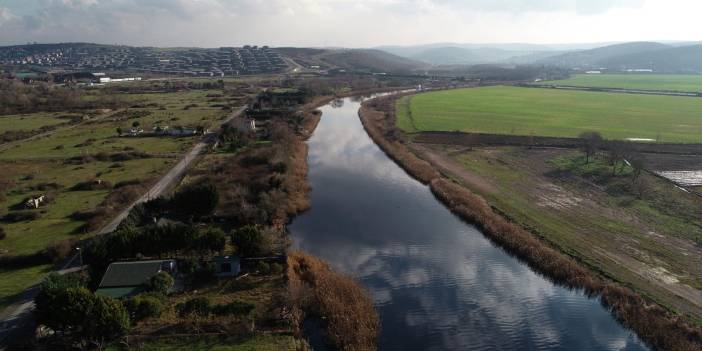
[125, 279]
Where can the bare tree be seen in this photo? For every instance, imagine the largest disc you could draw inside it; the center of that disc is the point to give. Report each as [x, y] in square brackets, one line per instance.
[592, 141]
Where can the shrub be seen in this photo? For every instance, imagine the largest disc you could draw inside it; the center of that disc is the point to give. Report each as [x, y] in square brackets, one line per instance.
[276, 268]
[212, 240]
[205, 274]
[188, 265]
[249, 240]
[148, 305]
[198, 306]
[3, 235]
[162, 282]
[196, 200]
[263, 267]
[233, 308]
[92, 185]
[59, 250]
[21, 216]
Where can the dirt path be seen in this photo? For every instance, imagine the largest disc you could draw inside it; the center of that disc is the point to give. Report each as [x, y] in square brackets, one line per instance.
[448, 166]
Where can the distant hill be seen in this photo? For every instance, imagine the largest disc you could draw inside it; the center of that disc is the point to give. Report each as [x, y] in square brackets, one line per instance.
[596, 58]
[440, 54]
[457, 55]
[685, 59]
[370, 60]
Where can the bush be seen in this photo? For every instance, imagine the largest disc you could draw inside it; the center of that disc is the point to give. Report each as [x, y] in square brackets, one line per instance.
[249, 240]
[196, 200]
[276, 268]
[162, 282]
[3, 235]
[263, 267]
[204, 275]
[21, 216]
[148, 305]
[233, 308]
[59, 250]
[198, 306]
[212, 240]
[92, 185]
[188, 265]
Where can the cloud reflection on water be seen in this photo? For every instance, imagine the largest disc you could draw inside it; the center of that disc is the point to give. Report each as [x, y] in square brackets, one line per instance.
[437, 282]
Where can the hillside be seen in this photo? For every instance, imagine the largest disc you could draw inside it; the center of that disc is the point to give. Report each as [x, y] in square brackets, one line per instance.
[596, 58]
[370, 60]
[686, 59]
[456, 55]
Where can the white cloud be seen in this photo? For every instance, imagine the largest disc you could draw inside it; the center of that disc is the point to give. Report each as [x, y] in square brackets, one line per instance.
[344, 22]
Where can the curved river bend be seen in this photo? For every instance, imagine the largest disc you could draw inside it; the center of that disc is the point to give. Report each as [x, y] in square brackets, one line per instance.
[437, 282]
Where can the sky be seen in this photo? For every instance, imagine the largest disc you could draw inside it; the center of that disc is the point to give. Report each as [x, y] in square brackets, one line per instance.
[345, 23]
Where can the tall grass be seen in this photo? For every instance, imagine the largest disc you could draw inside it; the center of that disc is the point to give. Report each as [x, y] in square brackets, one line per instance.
[658, 327]
[351, 321]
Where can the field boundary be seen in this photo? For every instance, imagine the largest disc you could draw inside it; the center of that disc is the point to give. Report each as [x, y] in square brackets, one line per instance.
[611, 90]
[487, 139]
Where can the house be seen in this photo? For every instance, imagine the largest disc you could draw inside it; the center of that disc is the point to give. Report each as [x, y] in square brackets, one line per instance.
[35, 202]
[125, 279]
[227, 266]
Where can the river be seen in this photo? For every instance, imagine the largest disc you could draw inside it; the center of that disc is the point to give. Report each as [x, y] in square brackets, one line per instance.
[436, 281]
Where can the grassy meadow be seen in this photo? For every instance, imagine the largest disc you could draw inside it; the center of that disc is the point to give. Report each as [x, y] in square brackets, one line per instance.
[556, 113]
[43, 166]
[30, 121]
[662, 82]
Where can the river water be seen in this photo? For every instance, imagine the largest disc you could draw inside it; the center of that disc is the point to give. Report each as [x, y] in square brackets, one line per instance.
[437, 282]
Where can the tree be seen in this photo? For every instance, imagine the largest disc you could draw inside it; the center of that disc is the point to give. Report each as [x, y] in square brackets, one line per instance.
[638, 165]
[162, 282]
[196, 200]
[136, 124]
[591, 144]
[106, 320]
[212, 240]
[249, 240]
[3, 234]
[75, 310]
[119, 131]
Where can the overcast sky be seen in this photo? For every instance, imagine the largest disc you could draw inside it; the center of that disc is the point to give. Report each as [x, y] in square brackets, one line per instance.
[346, 23]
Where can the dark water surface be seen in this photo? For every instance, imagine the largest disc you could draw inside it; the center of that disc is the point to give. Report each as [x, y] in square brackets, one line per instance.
[437, 282]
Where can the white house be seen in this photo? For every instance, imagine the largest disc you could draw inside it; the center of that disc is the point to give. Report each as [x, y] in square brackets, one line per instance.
[34, 202]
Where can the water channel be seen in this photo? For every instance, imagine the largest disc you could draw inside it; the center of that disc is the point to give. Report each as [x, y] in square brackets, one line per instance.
[437, 282]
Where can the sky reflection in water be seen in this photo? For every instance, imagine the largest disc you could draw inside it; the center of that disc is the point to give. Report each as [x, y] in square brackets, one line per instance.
[438, 282]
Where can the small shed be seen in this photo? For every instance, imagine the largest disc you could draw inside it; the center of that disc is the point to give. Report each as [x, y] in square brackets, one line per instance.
[125, 279]
[227, 266]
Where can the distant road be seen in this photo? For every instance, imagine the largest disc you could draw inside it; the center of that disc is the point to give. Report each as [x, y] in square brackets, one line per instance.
[16, 318]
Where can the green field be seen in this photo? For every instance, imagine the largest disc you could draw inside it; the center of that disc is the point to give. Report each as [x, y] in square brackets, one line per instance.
[557, 113]
[32, 121]
[665, 82]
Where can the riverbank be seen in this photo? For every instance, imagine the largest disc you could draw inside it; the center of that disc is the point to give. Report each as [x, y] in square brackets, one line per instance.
[651, 322]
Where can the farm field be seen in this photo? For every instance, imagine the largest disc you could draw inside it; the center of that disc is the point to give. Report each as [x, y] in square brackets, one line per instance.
[660, 82]
[556, 113]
